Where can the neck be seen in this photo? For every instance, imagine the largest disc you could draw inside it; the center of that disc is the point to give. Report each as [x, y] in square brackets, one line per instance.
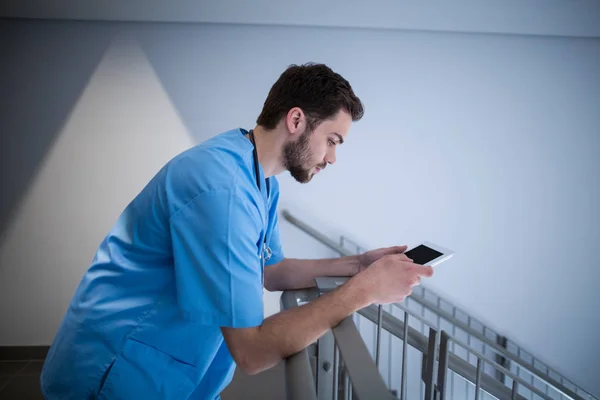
[269, 145]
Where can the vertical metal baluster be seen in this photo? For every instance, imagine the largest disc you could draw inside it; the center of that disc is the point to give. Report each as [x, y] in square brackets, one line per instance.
[439, 323]
[514, 389]
[453, 347]
[390, 353]
[378, 341]
[326, 350]
[430, 364]
[342, 367]
[469, 340]
[335, 372]
[484, 349]
[518, 365]
[531, 378]
[423, 332]
[478, 379]
[483, 346]
[438, 328]
[468, 353]
[443, 365]
[519, 369]
[404, 343]
[347, 394]
[374, 353]
[342, 374]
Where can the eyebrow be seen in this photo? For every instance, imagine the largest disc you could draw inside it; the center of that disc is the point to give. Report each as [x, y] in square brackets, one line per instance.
[341, 139]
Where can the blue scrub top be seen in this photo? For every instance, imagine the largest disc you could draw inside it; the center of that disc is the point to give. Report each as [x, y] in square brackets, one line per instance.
[183, 260]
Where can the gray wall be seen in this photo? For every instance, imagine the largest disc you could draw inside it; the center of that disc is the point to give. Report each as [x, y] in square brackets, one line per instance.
[534, 17]
[484, 143]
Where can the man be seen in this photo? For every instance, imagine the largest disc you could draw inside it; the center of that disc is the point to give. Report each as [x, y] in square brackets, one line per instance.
[173, 299]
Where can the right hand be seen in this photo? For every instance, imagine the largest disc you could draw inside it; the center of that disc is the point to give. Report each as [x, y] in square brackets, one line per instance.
[391, 278]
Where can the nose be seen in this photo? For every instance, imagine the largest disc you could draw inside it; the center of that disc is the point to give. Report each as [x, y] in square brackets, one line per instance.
[330, 157]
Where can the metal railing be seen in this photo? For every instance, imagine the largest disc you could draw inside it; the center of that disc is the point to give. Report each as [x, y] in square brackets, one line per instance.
[299, 384]
[344, 366]
[464, 351]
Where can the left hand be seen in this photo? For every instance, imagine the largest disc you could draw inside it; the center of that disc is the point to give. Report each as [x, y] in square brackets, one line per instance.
[369, 257]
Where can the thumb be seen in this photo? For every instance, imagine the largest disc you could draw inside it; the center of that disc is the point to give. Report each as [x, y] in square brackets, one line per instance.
[398, 249]
[394, 250]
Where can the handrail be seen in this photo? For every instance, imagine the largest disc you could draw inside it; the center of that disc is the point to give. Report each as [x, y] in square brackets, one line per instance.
[497, 348]
[366, 379]
[463, 368]
[315, 234]
[440, 312]
[299, 381]
[364, 375]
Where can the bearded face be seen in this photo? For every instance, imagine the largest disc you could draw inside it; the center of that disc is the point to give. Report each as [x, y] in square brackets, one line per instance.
[299, 159]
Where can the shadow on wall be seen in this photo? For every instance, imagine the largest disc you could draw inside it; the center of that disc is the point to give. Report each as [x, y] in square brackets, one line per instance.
[37, 97]
[119, 132]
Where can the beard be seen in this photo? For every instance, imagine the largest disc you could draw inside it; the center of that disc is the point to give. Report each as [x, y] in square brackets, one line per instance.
[296, 155]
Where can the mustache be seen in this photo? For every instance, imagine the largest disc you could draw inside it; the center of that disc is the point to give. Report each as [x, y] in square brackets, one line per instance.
[322, 166]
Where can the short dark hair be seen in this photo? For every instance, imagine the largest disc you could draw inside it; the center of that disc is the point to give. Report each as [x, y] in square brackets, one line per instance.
[316, 89]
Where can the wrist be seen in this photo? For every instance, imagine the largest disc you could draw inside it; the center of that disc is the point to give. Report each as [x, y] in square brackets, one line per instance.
[357, 292]
[356, 264]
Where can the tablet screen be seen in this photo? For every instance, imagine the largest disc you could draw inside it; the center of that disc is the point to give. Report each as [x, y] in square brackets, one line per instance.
[423, 254]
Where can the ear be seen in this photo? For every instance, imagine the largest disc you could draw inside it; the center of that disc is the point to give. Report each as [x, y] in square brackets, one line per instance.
[295, 121]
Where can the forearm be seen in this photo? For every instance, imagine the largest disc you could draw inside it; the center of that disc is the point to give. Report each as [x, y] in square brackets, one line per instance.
[289, 331]
[293, 273]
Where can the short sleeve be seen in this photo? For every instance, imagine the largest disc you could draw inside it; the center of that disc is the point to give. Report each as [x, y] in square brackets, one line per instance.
[217, 260]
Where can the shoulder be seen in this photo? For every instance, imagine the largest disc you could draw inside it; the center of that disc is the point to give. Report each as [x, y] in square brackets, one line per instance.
[218, 157]
[219, 164]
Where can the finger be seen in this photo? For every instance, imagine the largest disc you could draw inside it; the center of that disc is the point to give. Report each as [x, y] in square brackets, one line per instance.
[404, 257]
[399, 249]
[394, 250]
[426, 271]
[400, 258]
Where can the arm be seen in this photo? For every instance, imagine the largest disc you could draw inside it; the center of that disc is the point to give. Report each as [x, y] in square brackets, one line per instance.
[293, 273]
[286, 333]
[387, 281]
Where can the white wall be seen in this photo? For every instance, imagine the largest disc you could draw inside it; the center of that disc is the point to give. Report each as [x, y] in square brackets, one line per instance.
[484, 143]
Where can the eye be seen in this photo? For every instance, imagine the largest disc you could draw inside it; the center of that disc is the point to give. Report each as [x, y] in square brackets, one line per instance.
[331, 142]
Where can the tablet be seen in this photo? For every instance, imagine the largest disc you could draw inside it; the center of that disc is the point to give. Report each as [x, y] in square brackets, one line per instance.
[428, 253]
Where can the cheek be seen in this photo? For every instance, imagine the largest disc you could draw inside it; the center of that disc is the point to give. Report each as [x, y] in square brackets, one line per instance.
[319, 146]
[317, 152]
[319, 155]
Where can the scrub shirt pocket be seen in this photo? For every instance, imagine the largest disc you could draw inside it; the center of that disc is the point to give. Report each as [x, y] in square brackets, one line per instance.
[143, 372]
